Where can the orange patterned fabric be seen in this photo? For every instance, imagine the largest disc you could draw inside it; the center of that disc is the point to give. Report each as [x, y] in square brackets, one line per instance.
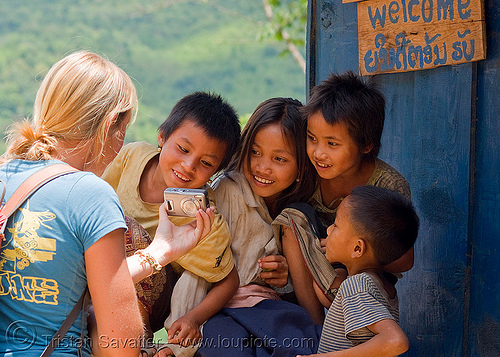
[154, 291]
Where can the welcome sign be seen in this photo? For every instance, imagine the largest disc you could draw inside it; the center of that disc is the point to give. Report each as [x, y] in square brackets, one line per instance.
[410, 35]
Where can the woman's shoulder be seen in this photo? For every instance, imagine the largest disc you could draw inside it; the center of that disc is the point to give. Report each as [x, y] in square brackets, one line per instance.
[84, 185]
[16, 171]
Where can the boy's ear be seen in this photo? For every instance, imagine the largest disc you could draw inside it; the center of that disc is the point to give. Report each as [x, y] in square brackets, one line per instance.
[367, 149]
[359, 248]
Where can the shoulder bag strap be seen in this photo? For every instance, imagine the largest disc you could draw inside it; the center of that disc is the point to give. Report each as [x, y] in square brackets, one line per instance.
[66, 325]
[30, 185]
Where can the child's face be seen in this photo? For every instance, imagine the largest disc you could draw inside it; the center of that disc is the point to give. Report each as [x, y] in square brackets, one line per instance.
[189, 157]
[273, 165]
[341, 236]
[331, 148]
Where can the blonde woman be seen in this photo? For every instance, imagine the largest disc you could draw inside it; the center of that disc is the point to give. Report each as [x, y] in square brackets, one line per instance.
[70, 232]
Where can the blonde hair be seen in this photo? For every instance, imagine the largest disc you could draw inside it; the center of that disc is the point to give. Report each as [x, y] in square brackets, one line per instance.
[73, 104]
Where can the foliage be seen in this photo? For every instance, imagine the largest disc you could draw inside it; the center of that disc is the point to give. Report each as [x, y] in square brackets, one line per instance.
[290, 15]
[170, 48]
[287, 20]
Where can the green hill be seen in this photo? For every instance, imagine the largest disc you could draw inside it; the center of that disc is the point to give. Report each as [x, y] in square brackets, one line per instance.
[170, 48]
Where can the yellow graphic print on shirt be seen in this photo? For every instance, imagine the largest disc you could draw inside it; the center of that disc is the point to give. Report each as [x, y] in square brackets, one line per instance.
[28, 247]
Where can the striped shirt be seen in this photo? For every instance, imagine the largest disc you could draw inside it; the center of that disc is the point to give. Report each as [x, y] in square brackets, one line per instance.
[360, 302]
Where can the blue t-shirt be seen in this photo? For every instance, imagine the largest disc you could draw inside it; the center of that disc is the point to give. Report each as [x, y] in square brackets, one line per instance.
[42, 270]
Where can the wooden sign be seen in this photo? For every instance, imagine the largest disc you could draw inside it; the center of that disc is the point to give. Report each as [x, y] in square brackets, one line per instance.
[410, 35]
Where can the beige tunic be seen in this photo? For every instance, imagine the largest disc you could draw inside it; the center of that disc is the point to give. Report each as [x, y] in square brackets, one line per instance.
[251, 233]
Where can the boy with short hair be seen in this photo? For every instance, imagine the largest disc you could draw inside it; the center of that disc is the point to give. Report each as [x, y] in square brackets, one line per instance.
[198, 139]
[374, 226]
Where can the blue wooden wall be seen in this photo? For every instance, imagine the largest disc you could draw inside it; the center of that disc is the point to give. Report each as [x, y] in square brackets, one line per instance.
[442, 133]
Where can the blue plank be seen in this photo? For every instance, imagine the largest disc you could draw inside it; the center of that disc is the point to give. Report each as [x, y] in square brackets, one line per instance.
[484, 337]
[432, 293]
[427, 137]
[337, 38]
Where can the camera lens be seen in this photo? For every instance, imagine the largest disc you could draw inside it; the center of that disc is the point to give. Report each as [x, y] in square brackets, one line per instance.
[190, 206]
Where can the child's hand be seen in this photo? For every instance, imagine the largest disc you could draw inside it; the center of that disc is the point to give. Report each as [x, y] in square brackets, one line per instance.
[274, 270]
[184, 331]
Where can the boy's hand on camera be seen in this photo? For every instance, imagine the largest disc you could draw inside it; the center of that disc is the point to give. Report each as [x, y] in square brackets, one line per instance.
[171, 242]
[274, 270]
[184, 331]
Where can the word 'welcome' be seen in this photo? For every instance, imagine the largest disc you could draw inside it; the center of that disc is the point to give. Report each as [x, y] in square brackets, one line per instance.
[410, 35]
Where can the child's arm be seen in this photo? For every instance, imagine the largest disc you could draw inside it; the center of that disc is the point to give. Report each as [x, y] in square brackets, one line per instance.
[186, 329]
[324, 300]
[309, 295]
[389, 341]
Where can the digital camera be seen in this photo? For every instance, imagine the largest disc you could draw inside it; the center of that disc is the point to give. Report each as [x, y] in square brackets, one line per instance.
[185, 201]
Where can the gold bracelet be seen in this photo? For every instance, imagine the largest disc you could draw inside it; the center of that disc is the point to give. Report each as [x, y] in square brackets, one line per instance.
[146, 258]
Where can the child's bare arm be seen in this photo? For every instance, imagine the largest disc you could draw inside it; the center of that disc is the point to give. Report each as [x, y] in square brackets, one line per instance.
[389, 341]
[186, 329]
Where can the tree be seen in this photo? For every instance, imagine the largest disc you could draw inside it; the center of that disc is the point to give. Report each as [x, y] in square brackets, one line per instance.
[287, 20]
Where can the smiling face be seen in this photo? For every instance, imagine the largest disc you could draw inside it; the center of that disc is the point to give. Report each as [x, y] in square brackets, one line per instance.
[189, 157]
[273, 165]
[331, 148]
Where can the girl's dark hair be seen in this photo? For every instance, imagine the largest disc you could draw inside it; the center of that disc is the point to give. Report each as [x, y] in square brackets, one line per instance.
[286, 113]
[356, 102]
[211, 113]
[386, 219]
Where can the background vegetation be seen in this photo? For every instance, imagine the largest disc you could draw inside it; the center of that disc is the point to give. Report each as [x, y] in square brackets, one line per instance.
[170, 48]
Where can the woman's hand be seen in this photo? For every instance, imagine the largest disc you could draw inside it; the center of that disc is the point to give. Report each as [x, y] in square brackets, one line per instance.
[170, 241]
[274, 270]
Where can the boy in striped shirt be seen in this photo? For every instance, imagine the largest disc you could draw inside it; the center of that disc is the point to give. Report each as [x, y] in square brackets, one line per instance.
[373, 227]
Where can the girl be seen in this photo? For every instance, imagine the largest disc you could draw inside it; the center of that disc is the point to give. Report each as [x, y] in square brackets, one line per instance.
[270, 172]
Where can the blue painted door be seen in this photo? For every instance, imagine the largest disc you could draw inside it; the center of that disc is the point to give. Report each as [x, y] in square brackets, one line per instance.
[442, 132]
